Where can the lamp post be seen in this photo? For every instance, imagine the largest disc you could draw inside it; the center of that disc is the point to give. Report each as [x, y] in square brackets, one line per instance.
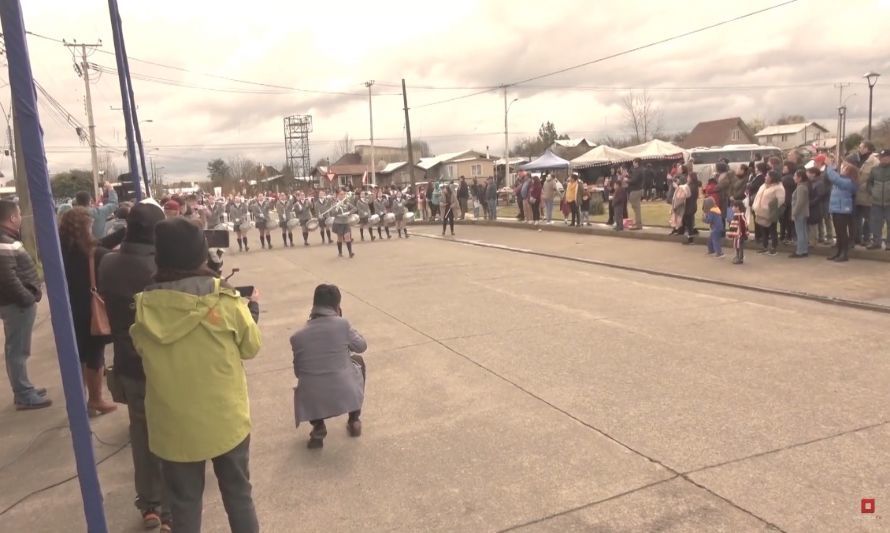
[506, 142]
[872, 78]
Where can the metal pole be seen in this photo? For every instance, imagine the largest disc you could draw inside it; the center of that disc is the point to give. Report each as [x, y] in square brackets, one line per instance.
[506, 144]
[410, 147]
[21, 81]
[871, 92]
[132, 160]
[369, 84]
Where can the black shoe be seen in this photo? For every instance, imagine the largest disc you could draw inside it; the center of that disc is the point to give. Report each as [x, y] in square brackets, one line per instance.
[354, 427]
[833, 257]
[842, 259]
[763, 251]
[796, 255]
[874, 247]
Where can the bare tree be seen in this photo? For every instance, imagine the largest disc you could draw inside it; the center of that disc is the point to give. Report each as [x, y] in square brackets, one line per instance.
[345, 146]
[642, 116]
[243, 169]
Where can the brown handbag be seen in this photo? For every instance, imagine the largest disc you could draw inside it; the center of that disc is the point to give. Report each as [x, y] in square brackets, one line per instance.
[99, 325]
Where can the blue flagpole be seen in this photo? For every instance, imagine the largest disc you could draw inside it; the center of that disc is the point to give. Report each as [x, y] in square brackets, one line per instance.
[127, 104]
[21, 81]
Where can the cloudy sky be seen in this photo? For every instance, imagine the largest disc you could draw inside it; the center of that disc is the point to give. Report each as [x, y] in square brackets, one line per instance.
[782, 61]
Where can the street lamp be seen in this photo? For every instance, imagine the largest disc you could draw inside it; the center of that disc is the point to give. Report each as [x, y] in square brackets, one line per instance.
[506, 142]
[872, 78]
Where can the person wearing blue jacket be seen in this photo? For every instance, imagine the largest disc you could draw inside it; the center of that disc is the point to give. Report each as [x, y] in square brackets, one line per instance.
[101, 213]
[840, 205]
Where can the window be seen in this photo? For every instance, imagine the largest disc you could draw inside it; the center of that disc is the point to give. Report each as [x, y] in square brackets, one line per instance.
[476, 170]
[784, 138]
[736, 134]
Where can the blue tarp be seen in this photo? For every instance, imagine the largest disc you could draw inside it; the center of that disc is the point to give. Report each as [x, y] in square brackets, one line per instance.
[547, 161]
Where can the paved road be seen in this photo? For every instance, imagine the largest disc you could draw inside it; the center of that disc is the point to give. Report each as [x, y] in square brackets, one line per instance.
[518, 392]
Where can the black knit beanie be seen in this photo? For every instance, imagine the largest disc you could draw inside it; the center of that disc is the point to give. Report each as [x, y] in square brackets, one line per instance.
[141, 222]
[179, 245]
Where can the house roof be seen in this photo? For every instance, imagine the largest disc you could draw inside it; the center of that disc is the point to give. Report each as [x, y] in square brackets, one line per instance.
[392, 167]
[427, 163]
[571, 143]
[513, 160]
[788, 129]
[714, 132]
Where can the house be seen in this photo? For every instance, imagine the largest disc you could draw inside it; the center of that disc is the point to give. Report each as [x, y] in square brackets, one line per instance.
[452, 166]
[571, 148]
[788, 136]
[348, 169]
[719, 133]
[382, 154]
[399, 173]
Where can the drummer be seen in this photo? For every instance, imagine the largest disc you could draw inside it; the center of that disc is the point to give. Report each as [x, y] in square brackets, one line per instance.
[301, 210]
[380, 210]
[322, 205]
[341, 211]
[364, 212]
[259, 208]
[284, 207]
[239, 216]
[399, 210]
[217, 214]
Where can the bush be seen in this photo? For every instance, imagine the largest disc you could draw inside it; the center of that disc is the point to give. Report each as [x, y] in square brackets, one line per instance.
[597, 206]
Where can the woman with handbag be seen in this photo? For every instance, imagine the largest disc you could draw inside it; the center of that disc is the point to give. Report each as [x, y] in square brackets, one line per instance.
[82, 253]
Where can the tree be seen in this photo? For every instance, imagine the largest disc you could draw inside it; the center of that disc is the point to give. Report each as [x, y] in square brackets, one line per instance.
[755, 124]
[421, 148]
[67, 184]
[790, 119]
[343, 147]
[852, 141]
[641, 115]
[532, 146]
[243, 169]
[220, 173]
[880, 133]
[107, 169]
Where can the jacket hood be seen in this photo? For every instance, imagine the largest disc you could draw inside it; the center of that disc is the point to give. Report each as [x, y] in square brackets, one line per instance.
[167, 312]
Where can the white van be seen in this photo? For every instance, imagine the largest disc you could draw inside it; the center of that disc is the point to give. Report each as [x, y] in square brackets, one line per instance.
[705, 159]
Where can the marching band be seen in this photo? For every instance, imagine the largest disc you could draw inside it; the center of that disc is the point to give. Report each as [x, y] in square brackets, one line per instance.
[321, 212]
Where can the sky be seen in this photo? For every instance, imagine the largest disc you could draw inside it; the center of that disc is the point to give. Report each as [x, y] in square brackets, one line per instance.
[784, 61]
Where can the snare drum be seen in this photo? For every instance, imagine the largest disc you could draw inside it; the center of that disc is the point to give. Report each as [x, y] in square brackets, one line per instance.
[409, 217]
[293, 223]
[389, 219]
[328, 222]
[354, 219]
[374, 220]
[312, 225]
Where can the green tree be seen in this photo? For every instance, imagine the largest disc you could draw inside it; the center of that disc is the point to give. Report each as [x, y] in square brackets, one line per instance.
[534, 146]
[67, 184]
[220, 173]
[790, 119]
[880, 133]
[852, 141]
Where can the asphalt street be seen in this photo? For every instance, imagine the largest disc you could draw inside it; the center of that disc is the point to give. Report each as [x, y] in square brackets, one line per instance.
[514, 391]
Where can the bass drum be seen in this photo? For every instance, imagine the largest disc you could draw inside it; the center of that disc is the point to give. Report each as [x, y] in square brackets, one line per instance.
[409, 217]
[354, 219]
[247, 225]
[272, 220]
[227, 226]
[389, 219]
[374, 220]
[328, 222]
[292, 223]
[312, 225]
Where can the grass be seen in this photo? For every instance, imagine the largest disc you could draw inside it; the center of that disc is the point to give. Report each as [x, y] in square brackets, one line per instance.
[655, 213]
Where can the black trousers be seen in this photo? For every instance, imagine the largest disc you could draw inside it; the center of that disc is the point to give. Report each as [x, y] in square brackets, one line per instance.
[447, 218]
[611, 220]
[689, 224]
[842, 228]
[770, 236]
[536, 211]
[786, 225]
[576, 213]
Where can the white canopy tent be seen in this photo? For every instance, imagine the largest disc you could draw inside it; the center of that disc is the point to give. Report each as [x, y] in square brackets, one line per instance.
[602, 155]
[656, 149]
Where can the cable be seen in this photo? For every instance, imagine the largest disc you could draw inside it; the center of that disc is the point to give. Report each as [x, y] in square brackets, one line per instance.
[30, 444]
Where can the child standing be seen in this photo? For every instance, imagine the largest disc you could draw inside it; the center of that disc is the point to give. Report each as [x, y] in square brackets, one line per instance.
[714, 219]
[619, 203]
[738, 231]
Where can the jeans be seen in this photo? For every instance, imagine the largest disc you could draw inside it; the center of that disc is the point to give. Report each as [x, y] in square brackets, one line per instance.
[618, 215]
[150, 491]
[635, 197]
[715, 242]
[879, 217]
[825, 229]
[477, 208]
[803, 242]
[17, 325]
[842, 232]
[548, 210]
[859, 229]
[585, 216]
[493, 209]
[185, 484]
[576, 214]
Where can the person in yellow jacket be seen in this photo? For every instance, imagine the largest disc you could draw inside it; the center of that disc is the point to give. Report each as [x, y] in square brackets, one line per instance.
[573, 198]
[192, 332]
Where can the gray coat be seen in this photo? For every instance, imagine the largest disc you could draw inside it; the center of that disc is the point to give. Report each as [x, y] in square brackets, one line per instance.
[800, 201]
[330, 383]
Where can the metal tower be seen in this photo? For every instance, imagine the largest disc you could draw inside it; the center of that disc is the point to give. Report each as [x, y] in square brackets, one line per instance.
[296, 144]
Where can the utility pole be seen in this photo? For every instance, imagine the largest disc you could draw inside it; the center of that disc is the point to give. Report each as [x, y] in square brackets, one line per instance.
[369, 84]
[29, 238]
[506, 144]
[840, 118]
[410, 147]
[85, 73]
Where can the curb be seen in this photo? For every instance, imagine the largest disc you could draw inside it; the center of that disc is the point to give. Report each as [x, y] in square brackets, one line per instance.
[601, 230]
[818, 298]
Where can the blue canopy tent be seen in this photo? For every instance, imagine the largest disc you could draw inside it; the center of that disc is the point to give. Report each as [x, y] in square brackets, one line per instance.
[547, 161]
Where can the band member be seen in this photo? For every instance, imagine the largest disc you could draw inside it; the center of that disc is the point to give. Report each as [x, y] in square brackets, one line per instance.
[379, 205]
[322, 207]
[217, 213]
[341, 211]
[239, 214]
[447, 201]
[302, 210]
[284, 208]
[259, 208]
[399, 210]
[364, 212]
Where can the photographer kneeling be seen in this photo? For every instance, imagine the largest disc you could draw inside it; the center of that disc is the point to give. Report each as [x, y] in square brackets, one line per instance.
[331, 378]
[192, 332]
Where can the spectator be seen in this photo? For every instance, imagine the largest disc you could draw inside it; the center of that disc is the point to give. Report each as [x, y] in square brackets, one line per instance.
[691, 205]
[635, 192]
[548, 193]
[786, 230]
[573, 195]
[20, 291]
[585, 203]
[827, 230]
[724, 182]
[878, 183]
[755, 182]
[172, 209]
[82, 255]
[712, 191]
[738, 231]
[99, 214]
[331, 377]
[122, 275]
[817, 191]
[713, 217]
[800, 212]
[678, 205]
[738, 181]
[491, 198]
[534, 197]
[476, 193]
[767, 206]
[424, 203]
[435, 201]
[860, 229]
[193, 333]
[843, 192]
[119, 222]
[463, 195]
[619, 204]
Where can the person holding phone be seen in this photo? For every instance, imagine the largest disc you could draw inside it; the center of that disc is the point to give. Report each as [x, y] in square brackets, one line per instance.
[331, 377]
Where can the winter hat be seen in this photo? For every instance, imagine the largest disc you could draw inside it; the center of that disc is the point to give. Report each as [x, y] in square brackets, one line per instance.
[141, 223]
[820, 159]
[171, 205]
[179, 245]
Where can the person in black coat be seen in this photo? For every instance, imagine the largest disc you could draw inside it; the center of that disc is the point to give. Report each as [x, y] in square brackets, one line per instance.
[755, 182]
[786, 223]
[78, 244]
[122, 275]
[691, 205]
